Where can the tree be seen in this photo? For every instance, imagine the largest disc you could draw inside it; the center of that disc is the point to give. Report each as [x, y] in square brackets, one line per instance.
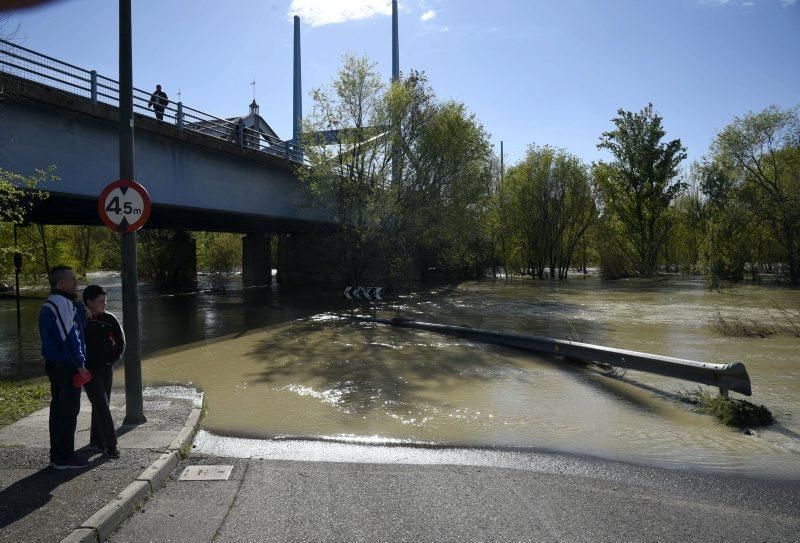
[345, 173]
[761, 153]
[638, 187]
[406, 177]
[549, 203]
[727, 224]
[18, 195]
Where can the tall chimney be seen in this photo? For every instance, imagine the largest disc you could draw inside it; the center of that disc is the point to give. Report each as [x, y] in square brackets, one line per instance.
[297, 110]
[395, 44]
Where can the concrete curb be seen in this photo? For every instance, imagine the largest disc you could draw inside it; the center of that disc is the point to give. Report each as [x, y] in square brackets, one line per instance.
[101, 525]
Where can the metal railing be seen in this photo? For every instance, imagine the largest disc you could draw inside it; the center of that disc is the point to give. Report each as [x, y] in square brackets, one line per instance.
[39, 68]
[725, 376]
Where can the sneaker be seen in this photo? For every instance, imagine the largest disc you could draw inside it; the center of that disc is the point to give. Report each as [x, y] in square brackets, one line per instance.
[75, 462]
[94, 447]
[112, 453]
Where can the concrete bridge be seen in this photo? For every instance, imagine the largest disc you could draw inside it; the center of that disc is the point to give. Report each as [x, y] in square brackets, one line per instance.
[202, 173]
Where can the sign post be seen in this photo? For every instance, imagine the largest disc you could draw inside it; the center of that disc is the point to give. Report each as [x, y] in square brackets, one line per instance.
[134, 405]
[124, 206]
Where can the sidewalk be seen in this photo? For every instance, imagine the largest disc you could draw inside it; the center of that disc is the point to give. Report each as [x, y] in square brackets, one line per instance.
[38, 503]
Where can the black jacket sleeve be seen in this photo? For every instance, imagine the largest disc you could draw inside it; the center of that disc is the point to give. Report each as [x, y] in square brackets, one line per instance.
[119, 337]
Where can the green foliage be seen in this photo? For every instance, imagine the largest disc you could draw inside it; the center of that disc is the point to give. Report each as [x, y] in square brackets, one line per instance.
[755, 166]
[639, 186]
[167, 257]
[219, 254]
[406, 178]
[18, 195]
[739, 413]
[546, 202]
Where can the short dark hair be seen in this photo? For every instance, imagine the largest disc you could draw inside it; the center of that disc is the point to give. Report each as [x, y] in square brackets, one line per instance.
[57, 273]
[91, 293]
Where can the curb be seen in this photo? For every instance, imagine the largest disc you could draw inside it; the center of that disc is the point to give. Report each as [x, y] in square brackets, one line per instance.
[101, 525]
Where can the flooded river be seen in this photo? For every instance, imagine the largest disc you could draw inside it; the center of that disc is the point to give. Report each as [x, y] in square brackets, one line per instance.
[278, 366]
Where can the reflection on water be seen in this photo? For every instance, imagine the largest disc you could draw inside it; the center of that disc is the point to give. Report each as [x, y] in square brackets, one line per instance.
[327, 377]
[167, 321]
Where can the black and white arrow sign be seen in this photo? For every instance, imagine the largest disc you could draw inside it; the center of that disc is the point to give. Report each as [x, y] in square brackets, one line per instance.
[364, 293]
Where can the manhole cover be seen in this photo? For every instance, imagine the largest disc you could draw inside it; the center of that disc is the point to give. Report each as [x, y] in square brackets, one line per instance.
[206, 473]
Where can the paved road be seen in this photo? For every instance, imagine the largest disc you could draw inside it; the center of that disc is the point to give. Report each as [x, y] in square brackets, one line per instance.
[281, 491]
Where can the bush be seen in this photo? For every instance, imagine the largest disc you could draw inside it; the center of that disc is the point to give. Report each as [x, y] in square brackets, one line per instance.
[739, 413]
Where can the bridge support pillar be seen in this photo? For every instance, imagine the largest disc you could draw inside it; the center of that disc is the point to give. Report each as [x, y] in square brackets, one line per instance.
[256, 260]
[180, 262]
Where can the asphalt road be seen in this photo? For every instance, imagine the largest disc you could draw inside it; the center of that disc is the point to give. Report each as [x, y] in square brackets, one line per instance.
[286, 491]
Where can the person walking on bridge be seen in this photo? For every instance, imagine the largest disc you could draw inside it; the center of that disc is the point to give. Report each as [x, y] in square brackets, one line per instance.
[159, 102]
[62, 322]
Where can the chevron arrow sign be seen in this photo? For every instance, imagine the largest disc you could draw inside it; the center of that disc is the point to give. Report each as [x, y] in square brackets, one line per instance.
[364, 293]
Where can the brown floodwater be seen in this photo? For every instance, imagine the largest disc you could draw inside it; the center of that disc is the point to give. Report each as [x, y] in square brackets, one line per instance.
[326, 377]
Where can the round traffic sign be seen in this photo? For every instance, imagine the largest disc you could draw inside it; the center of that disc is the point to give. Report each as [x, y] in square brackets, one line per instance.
[124, 205]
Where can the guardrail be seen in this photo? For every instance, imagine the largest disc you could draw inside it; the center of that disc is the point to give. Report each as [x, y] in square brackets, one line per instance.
[39, 68]
[725, 376]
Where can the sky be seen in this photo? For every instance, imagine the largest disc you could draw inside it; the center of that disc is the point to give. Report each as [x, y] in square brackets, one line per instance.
[532, 71]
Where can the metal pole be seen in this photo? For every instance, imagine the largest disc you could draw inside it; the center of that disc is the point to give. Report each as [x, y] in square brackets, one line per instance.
[501, 161]
[134, 405]
[297, 113]
[17, 267]
[94, 86]
[395, 44]
[395, 77]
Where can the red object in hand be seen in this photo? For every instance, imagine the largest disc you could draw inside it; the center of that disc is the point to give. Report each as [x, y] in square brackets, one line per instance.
[80, 379]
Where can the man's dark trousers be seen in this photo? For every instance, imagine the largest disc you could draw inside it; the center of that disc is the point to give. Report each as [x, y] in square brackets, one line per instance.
[64, 408]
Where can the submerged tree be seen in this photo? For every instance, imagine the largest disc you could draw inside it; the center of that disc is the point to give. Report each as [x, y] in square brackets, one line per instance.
[548, 202]
[638, 187]
[404, 176]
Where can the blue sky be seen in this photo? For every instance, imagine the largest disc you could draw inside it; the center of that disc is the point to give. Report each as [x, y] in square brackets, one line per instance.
[544, 71]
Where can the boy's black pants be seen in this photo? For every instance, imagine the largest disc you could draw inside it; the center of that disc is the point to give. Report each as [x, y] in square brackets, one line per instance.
[98, 390]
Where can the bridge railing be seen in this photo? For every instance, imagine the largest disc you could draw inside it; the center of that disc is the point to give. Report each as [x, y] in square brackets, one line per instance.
[52, 72]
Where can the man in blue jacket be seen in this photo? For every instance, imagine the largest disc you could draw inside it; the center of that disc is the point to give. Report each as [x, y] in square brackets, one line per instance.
[62, 322]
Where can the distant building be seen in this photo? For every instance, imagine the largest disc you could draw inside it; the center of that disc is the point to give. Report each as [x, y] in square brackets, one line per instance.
[257, 133]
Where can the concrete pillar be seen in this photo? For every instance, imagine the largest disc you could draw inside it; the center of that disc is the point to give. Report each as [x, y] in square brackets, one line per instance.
[256, 260]
[181, 262]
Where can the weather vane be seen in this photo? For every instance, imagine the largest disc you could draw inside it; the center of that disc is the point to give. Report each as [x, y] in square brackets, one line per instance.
[253, 84]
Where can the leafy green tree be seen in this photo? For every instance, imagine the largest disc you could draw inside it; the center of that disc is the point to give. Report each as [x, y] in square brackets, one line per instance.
[761, 154]
[548, 200]
[638, 187]
[18, 195]
[684, 245]
[423, 212]
[219, 254]
[725, 248]
[350, 166]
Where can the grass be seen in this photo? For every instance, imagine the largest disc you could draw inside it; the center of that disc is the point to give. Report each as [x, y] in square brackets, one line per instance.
[786, 323]
[19, 399]
[738, 413]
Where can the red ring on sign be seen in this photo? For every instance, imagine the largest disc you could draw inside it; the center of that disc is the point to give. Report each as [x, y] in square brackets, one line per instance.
[132, 227]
